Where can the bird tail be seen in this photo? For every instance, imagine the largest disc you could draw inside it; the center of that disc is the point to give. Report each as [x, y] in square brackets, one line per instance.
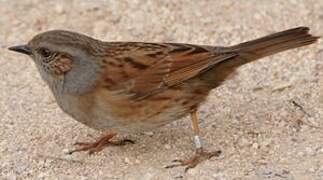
[272, 44]
[252, 50]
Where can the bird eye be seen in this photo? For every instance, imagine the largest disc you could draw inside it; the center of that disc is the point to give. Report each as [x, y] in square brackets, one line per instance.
[44, 52]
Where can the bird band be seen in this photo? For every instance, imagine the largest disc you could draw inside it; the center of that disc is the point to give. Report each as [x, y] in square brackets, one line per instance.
[197, 141]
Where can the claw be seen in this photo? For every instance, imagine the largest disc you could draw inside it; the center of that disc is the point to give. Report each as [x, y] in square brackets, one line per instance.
[172, 166]
[99, 145]
[199, 157]
[189, 167]
[129, 141]
[177, 160]
[122, 142]
[82, 144]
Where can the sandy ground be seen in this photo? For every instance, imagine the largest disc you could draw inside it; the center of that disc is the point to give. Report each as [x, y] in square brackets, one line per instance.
[267, 120]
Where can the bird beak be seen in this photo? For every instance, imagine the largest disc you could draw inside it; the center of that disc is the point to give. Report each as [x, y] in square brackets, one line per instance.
[25, 49]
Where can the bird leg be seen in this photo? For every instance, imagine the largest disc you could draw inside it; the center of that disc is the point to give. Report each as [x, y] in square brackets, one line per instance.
[100, 144]
[200, 154]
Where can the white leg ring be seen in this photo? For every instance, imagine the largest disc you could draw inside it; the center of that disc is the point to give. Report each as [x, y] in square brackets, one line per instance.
[197, 141]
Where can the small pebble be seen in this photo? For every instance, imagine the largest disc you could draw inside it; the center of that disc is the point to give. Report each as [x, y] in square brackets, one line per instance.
[149, 133]
[312, 170]
[300, 154]
[66, 151]
[167, 146]
[20, 168]
[59, 9]
[310, 151]
[320, 150]
[244, 141]
[137, 161]
[218, 175]
[266, 142]
[126, 160]
[41, 176]
[255, 145]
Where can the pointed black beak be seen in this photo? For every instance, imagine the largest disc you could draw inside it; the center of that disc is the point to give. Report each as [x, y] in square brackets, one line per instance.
[25, 49]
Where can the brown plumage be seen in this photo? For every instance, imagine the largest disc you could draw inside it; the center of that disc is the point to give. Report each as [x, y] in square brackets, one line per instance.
[136, 86]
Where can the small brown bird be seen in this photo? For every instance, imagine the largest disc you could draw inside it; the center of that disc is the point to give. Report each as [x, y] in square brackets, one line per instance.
[119, 87]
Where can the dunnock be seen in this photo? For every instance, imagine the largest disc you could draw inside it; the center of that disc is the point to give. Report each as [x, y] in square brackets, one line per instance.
[128, 87]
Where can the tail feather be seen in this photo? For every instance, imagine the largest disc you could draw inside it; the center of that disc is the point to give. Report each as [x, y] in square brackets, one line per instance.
[256, 49]
[275, 43]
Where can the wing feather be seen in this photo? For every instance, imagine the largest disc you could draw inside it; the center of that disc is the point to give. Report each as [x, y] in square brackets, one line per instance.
[158, 67]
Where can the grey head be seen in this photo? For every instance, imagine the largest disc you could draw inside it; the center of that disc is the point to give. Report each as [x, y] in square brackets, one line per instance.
[66, 60]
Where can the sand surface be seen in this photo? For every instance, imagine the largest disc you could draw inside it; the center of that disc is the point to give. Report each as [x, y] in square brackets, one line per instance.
[267, 120]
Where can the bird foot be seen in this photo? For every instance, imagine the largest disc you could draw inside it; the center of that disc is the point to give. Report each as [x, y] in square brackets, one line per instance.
[100, 144]
[200, 156]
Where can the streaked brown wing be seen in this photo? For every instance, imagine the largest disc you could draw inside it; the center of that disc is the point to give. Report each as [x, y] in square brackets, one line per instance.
[165, 65]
